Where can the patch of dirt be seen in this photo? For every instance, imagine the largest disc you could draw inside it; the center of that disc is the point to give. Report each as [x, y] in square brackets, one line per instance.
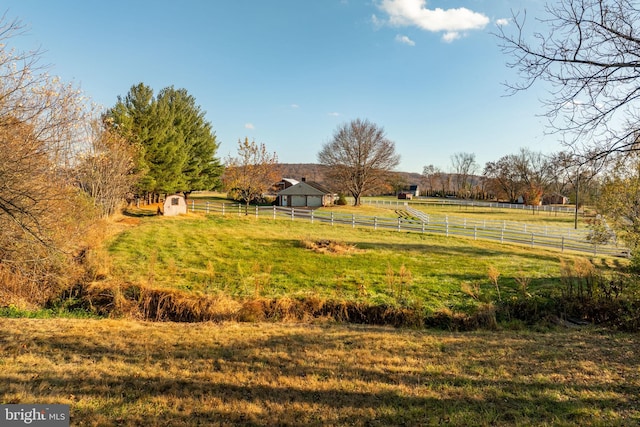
[330, 246]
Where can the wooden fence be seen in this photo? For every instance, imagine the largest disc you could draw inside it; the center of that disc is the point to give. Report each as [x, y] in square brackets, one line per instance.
[559, 238]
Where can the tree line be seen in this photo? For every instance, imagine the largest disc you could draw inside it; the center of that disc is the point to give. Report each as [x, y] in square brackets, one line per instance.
[523, 177]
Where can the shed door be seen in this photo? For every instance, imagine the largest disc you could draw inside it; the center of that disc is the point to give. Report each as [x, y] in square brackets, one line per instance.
[314, 201]
[298, 201]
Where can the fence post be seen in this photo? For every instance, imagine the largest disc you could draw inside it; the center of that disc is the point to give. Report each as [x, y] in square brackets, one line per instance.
[222, 208]
[502, 236]
[274, 211]
[532, 240]
[562, 247]
[399, 221]
[332, 218]
[292, 214]
[375, 222]
[312, 216]
[256, 211]
[207, 208]
[422, 226]
[475, 232]
[353, 221]
[239, 210]
[193, 206]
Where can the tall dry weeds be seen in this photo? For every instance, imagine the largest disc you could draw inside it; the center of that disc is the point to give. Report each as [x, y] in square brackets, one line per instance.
[523, 281]
[472, 289]
[494, 274]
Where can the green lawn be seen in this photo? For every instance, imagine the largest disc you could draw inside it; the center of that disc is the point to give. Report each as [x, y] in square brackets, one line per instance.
[552, 219]
[274, 258]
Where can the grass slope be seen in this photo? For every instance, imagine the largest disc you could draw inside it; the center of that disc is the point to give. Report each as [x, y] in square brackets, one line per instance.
[248, 257]
[115, 372]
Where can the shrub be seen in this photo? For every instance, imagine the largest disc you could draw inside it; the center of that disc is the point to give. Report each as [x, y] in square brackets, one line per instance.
[342, 200]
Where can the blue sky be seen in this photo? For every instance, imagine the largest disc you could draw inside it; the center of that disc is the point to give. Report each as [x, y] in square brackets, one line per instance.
[288, 72]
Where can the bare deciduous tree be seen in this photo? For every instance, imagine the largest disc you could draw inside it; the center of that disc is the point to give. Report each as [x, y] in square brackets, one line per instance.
[106, 171]
[41, 131]
[249, 175]
[359, 157]
[431, 176]
[464, 167]
[504, 179]
[528, 174]
[589, 53]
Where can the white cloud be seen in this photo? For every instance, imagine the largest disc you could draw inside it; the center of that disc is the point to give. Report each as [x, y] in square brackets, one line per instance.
[450, 36]
[405, 13]
[502, 22]
[573, 103]
[377, 23]
[249, 126]
[334, 114]
[295, 106]
[405, 40]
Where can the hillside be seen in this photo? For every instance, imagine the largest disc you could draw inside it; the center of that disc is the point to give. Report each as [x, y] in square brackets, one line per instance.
[316, 172]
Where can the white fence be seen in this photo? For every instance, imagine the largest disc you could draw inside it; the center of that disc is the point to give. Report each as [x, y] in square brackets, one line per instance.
[472, 204]
[509, 226]
[563, 239]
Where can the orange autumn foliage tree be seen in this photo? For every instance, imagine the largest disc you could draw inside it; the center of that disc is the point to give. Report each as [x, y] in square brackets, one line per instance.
[43, 215]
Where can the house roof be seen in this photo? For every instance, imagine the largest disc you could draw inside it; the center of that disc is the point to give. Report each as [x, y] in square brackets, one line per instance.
[290, 181]
[305, 188]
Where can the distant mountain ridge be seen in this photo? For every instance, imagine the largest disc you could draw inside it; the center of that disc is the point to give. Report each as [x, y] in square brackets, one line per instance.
[316, 172]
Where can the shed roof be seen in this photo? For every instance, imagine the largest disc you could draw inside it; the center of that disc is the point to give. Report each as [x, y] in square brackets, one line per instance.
[305, 188]
[290, 181]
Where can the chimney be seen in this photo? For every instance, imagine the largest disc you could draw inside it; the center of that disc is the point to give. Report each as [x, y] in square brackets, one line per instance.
[304, 179]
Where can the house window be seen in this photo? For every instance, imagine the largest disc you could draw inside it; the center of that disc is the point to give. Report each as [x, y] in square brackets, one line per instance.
[175, 201]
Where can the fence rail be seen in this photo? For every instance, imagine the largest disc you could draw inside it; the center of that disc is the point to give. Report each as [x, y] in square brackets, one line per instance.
[424, 224]
[471, 203]
[509, 226]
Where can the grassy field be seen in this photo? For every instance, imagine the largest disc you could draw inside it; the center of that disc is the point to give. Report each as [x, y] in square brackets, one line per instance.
[317, 372]
[242, 257]
[128, 373]
[552, 219]
[388, 205]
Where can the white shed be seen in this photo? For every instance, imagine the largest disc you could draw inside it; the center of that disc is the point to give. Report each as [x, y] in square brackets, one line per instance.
[175, 205]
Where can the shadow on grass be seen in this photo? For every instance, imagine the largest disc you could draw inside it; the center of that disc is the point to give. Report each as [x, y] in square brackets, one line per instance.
[336, 376]
[139, 213]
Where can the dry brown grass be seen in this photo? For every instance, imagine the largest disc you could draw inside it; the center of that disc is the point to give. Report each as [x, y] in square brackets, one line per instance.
[324, 246]
[18, 291]
[115, 372]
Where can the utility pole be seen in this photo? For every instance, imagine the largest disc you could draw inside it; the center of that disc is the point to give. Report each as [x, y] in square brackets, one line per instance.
[575, 217]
